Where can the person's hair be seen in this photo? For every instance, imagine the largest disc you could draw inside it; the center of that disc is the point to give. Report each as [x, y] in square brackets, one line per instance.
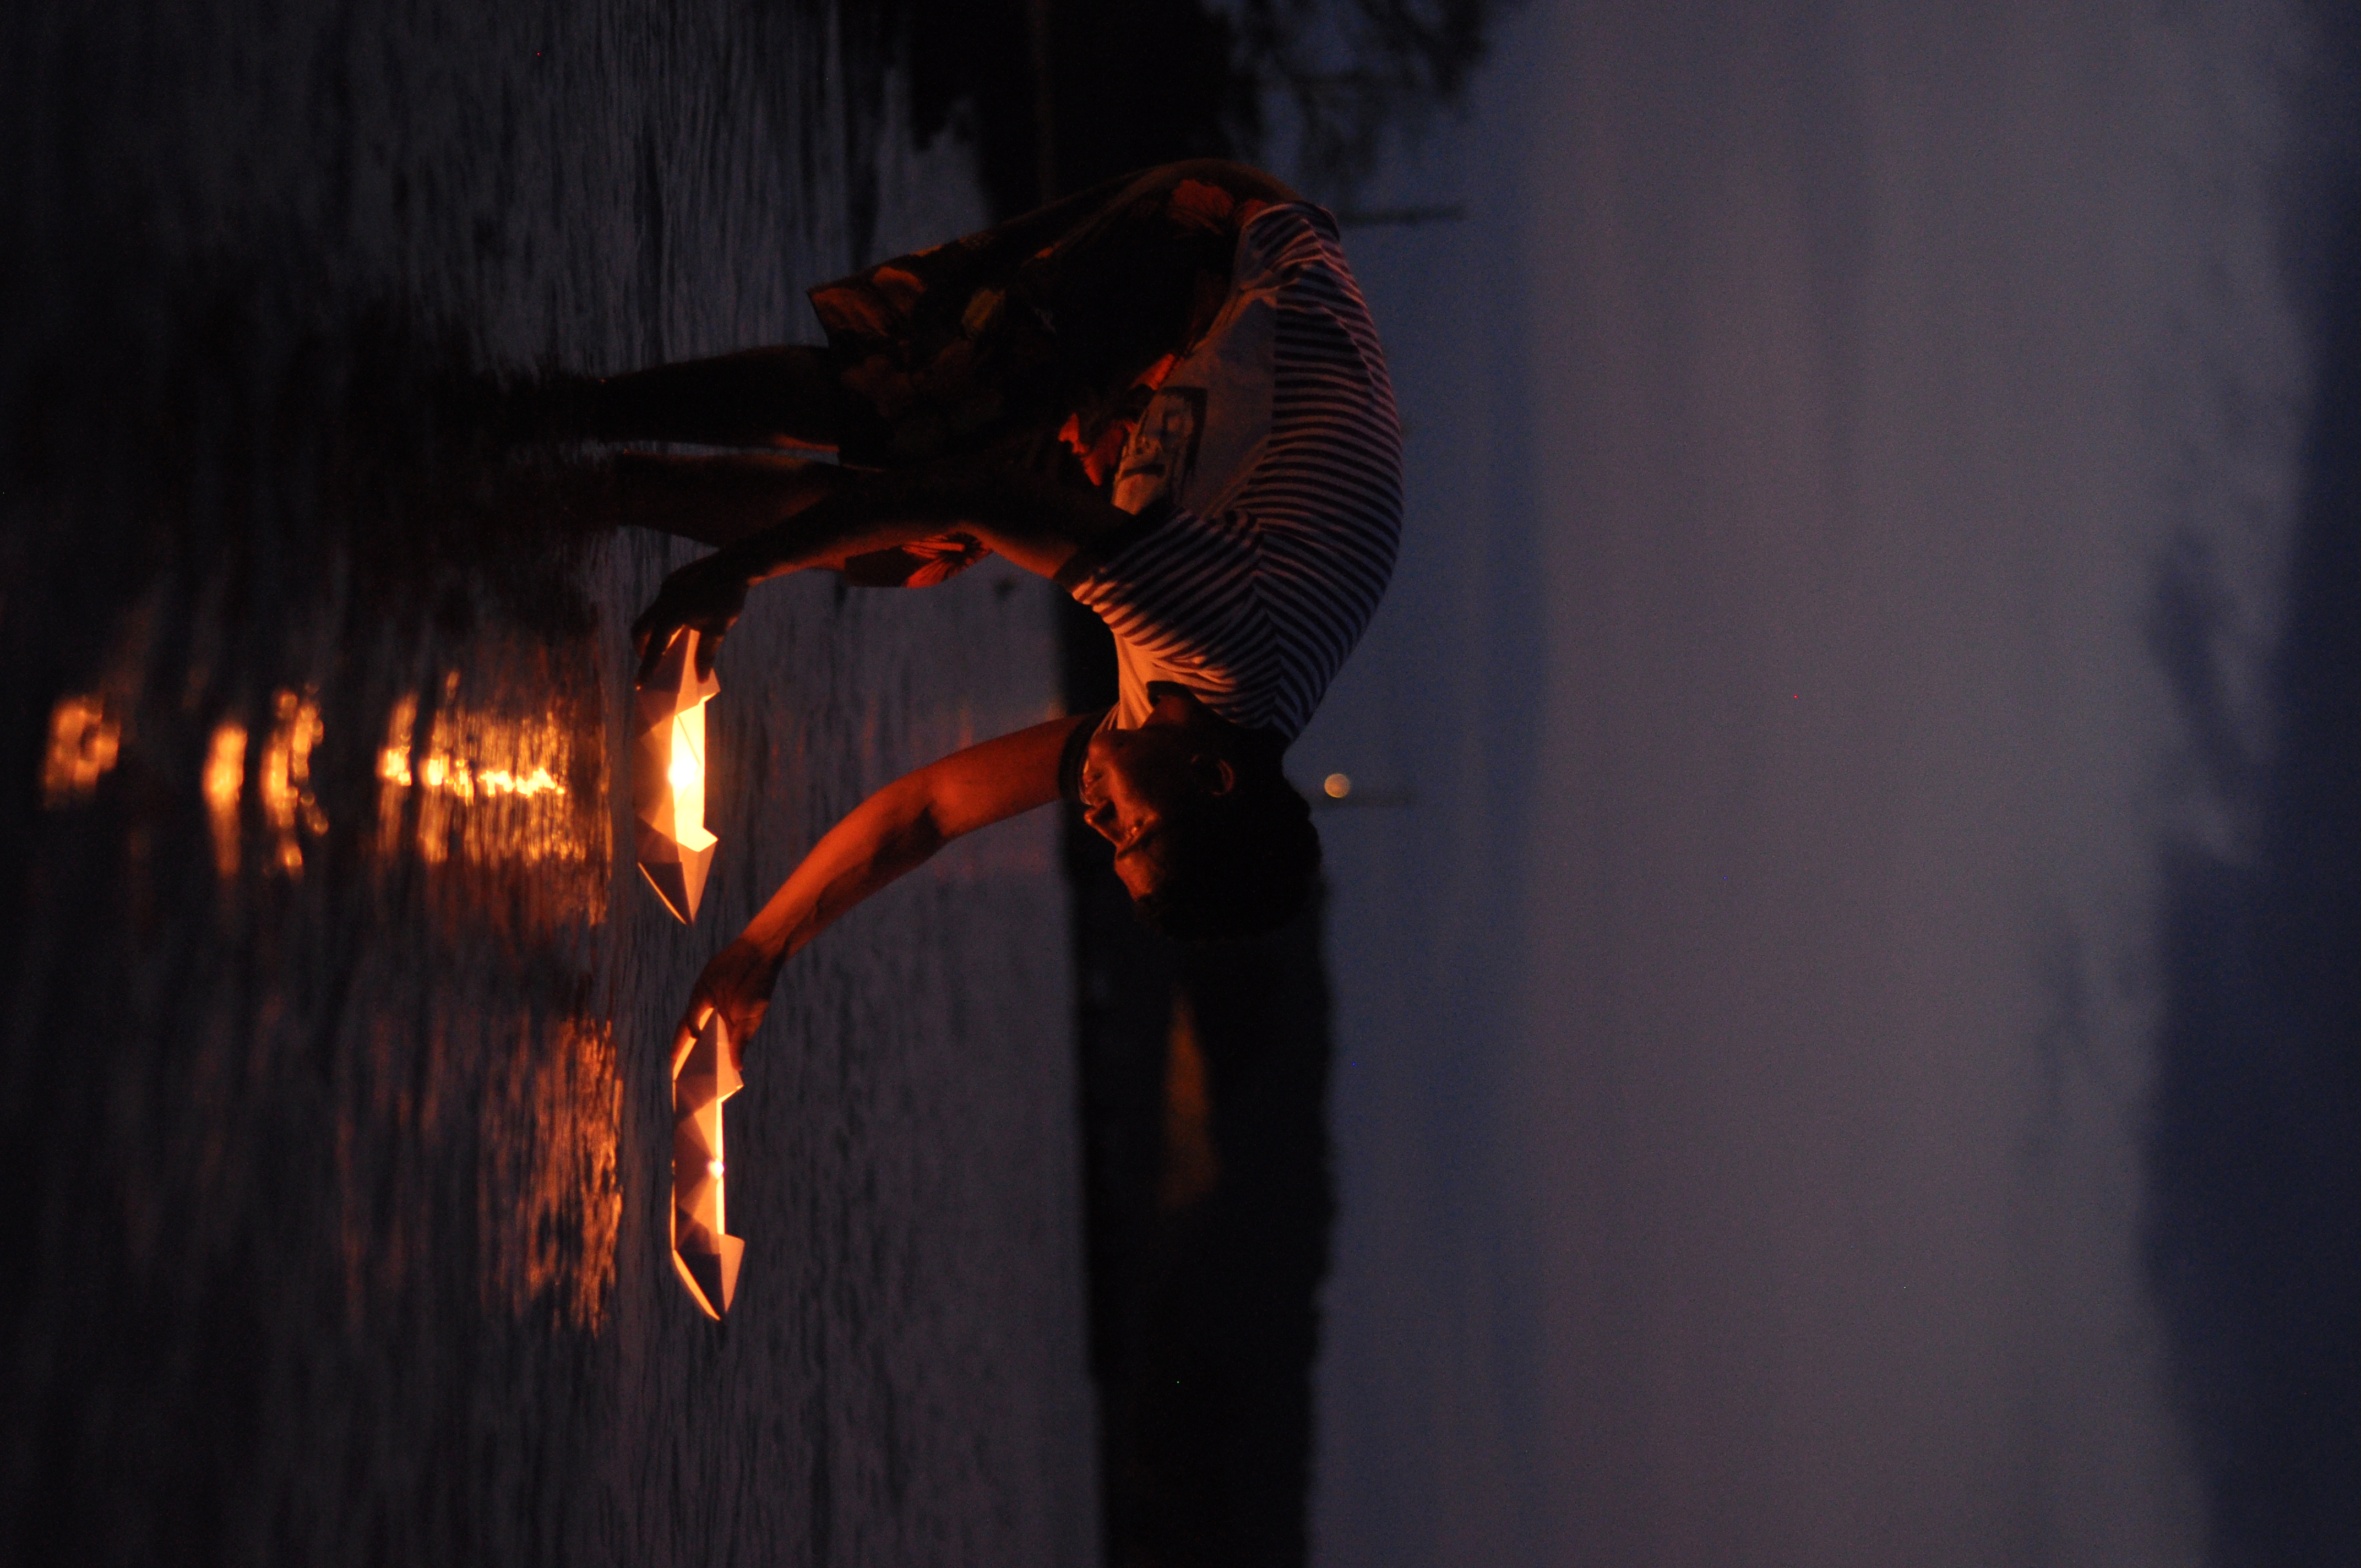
[1238, 864]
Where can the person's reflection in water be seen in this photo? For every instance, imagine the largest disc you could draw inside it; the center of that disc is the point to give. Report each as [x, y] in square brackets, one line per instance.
[1165, 395]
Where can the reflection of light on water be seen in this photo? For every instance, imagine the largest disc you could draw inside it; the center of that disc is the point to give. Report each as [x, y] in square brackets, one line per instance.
[84, 744]
[486, 788]
[224, 781]
[458, 777]
[285, 781]
[529, 1109]
[552, 1193]
[393, 771]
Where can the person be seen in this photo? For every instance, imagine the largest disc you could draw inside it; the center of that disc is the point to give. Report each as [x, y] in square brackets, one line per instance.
[1164, 394]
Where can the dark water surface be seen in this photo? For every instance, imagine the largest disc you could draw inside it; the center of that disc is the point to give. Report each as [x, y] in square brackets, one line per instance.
[334, 1104]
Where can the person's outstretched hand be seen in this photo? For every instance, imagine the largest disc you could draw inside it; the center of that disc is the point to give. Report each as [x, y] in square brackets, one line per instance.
[705, 596]
[736, 984]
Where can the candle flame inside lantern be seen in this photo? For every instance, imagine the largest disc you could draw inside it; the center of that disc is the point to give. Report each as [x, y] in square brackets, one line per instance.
[687, 768]
[668, 777]
[686, 774]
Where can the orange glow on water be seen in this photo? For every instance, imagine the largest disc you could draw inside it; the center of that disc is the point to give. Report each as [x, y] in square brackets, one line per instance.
[284, 779]
[225, 783]
[465, 782]
[540, 1122]
[484, 787]
[393, 773]
[83, 745]
[563, 1115]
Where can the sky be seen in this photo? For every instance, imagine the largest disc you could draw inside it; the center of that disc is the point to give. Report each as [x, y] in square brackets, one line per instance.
[1747, 1025]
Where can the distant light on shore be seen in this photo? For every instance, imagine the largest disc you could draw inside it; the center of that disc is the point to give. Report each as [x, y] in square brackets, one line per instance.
[1337, 785]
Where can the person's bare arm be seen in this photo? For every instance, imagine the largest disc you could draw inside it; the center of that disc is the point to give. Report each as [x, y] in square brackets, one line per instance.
[1034, 522]
[893, 832]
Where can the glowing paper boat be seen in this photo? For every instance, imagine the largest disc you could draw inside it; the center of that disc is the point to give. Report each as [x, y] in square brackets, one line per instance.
[668, 777]
[704, 1253]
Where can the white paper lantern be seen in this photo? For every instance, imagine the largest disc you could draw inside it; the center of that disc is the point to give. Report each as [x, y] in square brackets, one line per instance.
[668, 777]
[704, 1252]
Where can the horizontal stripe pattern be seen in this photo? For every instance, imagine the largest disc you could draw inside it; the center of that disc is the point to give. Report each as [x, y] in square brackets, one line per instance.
[1256, 607]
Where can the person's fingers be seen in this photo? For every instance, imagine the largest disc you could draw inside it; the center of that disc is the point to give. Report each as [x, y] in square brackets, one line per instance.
[738, 1044]
[693, 1023]
[697, 596]
[749, 1019]
[644, 640]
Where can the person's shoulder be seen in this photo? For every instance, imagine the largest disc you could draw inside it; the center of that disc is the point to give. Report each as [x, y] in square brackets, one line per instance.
[1288, 239]
[1273, 218]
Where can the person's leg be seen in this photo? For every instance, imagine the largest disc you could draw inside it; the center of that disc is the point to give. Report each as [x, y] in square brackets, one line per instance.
[762, 396]
[1145, 274]
[791, 396]
[718, 500]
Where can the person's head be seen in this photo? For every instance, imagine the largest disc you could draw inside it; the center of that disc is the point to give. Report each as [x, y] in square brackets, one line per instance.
[1211, 840]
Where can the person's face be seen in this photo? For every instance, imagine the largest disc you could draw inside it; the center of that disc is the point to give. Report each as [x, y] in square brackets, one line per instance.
[1130, 779]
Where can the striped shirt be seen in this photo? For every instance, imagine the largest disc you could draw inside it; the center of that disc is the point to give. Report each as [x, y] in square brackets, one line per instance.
[1267, 474]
